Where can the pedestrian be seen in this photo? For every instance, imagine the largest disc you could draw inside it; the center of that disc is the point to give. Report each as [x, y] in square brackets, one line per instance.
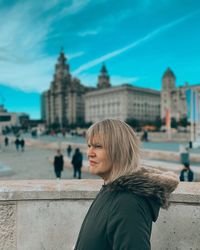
[6, 141]
[22, 144]
[69, 150]
[121, 215]
[58, 164]
[144, 137]
[186, 173]
[77, 160]
[17, 143]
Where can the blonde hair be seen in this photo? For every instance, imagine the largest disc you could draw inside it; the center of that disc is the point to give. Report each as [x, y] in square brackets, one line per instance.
[120, 143]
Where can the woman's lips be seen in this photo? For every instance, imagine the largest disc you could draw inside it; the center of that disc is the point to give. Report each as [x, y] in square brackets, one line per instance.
[92, 162]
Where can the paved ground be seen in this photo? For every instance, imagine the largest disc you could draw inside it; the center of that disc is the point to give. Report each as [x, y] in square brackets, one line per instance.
[34, 163]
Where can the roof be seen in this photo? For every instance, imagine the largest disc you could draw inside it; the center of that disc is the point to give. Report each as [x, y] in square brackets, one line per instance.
[169, 73]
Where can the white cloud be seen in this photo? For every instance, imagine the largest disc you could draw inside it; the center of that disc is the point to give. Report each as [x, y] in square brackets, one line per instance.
[75, 55]
[89, 32]
[76, 6]
[23, 62]
[115, 53]
[35, 76]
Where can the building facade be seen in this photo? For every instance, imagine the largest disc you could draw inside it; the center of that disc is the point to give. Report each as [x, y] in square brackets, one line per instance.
[173, 98]
[69, 102]
[11, 119]
[63, 103]
[7, 118]
[121, 102]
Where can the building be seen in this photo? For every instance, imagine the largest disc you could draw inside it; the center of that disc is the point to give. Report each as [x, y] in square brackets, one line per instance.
[63, 103]
[121, 102]
[173, 98]
[68, 102]
[12, 119]
[7, 119]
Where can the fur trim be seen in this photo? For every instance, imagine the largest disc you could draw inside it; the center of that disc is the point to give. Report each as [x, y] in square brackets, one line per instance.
[148, 182]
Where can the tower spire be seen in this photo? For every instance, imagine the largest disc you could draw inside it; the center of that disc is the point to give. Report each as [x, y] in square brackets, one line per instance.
[103, 78]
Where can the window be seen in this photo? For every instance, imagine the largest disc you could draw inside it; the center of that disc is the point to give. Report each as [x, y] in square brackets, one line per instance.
[5, 118]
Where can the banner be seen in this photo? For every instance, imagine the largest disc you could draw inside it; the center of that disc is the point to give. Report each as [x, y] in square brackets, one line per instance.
[197, 118]
[192, 105]
[168, 119]
[188, 94]
[193, 113]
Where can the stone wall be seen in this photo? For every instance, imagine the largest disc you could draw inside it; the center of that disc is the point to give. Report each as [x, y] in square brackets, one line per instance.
[46, 215]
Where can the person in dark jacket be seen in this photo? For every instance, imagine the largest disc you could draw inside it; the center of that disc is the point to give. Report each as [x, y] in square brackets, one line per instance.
[22, 144]
[69, 150]
[186, 173]
[77, 160]
[6, 141]
[17, 143]
[122, 214]
[58, 164]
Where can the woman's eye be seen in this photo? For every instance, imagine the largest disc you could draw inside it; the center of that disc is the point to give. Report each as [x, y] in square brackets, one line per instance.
[98, 146]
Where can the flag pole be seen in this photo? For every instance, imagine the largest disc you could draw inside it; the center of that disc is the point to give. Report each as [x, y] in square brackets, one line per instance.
[168, 123]
[191, 119]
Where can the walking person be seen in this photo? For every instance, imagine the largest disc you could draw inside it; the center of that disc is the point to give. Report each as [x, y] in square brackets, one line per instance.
[121, 215]
[186, 173]
[77, 161]
[58, 164]
[17, 143]
[6, 141]
[22, 144]
[69, 150]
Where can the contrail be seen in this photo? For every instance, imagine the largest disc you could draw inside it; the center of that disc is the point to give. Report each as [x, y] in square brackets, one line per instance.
[152, 34]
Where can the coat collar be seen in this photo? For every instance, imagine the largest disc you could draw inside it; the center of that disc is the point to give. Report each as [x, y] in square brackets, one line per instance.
[148, 182]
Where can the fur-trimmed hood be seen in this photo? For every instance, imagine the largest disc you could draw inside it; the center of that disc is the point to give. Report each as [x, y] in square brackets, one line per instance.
[153, 184]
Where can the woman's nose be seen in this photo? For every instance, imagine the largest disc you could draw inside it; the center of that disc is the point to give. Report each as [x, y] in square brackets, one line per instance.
[90, 152]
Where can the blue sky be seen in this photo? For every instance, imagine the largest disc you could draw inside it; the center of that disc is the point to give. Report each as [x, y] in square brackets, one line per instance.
[137, 39]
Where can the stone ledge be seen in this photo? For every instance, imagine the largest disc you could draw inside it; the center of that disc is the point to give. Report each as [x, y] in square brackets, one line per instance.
[78, 189]
[49, 189]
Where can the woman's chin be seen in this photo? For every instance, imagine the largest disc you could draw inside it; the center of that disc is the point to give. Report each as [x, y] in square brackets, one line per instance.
[91, 169]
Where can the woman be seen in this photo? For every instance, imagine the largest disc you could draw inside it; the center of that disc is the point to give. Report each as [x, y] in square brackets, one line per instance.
[121, 216]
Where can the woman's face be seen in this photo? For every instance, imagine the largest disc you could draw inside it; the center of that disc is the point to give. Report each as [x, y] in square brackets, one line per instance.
[98, 159]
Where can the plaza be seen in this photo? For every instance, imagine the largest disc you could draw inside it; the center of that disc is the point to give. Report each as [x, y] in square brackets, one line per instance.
[33, 163]
[36, 162]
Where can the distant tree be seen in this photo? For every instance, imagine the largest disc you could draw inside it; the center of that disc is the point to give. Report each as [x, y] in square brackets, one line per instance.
[55, 125]
[65, 122]
[134, 123]
[183, 122]
[80, 122]
[158, 123]
[174, 123]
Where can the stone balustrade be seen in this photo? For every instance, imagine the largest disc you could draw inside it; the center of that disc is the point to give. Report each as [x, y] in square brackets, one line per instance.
[47, 214]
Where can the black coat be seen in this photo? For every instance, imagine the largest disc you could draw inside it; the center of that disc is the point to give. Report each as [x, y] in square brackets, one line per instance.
[58, 163]
[77, 160]
[121, 216]
[188, 174]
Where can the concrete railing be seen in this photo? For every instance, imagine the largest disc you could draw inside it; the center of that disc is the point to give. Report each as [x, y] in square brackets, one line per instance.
[47, 215]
